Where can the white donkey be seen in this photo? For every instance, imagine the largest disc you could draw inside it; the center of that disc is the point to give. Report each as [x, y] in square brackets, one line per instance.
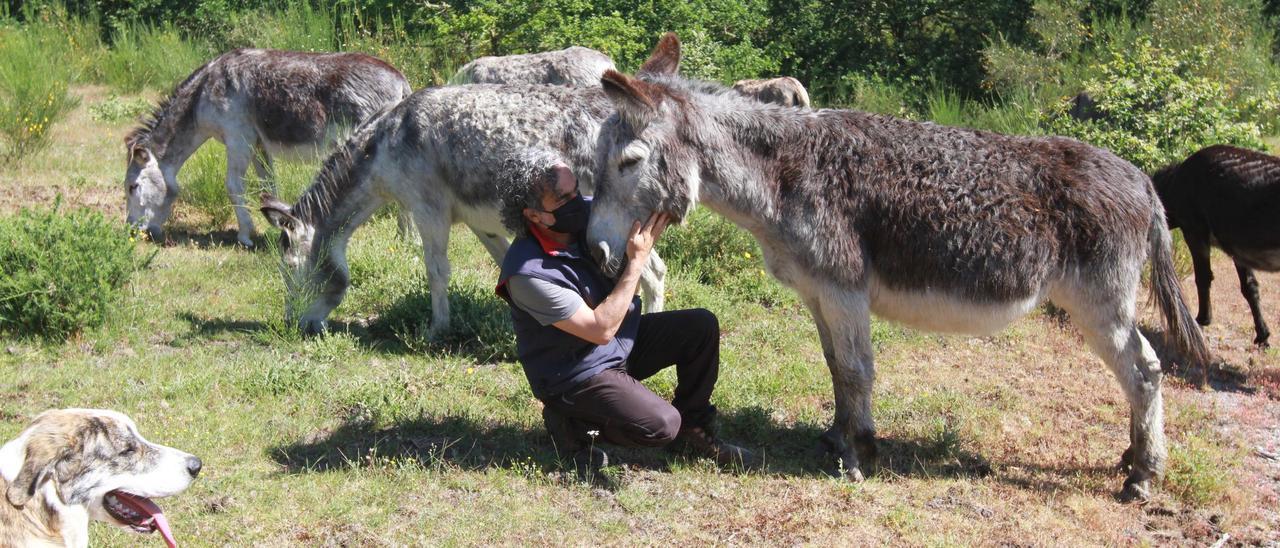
[574, 66]
[940, 228]
[258, 103]
[443, 155]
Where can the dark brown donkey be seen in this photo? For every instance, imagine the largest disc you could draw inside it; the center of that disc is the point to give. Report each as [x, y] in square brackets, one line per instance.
[1227, 197]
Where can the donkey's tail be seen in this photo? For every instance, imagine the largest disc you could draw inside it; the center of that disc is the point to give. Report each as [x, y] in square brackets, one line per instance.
[1181, 331]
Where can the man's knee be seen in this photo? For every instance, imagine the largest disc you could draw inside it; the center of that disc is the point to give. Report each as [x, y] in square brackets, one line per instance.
[705, 320]
[667, 426]
[658, 429]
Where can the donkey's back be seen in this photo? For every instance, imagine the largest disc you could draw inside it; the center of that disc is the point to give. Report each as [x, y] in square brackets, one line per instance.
[300, 97]
[574, 66]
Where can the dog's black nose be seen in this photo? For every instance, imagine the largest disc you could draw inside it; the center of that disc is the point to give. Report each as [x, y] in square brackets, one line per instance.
[193, 466]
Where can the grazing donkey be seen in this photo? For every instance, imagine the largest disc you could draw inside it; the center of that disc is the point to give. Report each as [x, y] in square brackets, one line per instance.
[258, 103]
[940, 228]
[439, 153]
[785, 91]
[1228, 197]
[574, 66]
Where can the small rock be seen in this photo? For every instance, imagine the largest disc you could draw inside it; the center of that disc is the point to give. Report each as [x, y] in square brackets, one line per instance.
[11, 350]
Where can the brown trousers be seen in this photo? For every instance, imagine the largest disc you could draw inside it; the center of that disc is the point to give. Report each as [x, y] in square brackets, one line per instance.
[624, 412]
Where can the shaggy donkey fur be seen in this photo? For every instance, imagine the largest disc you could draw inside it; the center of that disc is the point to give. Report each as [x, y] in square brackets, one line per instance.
[441, 155]
[574, 66]
[1228, 197]
[939, 228]
[785, 91]
[258, 103]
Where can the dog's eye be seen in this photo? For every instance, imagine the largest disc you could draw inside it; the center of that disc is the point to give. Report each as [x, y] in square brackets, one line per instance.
[128, 450]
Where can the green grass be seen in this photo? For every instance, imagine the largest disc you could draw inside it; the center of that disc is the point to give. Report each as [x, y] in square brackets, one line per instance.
[374, 435]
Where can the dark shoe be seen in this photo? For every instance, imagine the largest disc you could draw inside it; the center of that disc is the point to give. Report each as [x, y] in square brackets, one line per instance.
[588, 461]
[563, 434]
[698, 441]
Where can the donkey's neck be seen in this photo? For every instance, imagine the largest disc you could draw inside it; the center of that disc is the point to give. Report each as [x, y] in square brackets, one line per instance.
[341, 197]
[758, 154]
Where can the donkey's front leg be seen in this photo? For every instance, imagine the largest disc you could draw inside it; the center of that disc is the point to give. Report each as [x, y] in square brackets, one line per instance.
[433, 228]
[239, 155]
[844, 327]
[653, 283]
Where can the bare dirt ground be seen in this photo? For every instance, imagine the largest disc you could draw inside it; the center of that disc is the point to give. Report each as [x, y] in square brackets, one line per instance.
[1245, 398]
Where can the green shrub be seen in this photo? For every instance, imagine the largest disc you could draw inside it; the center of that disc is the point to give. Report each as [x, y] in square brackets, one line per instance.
[711, 250]
[1155, 110]
[1200, 471]
[115, 109]
[34, 76]
[60, 273]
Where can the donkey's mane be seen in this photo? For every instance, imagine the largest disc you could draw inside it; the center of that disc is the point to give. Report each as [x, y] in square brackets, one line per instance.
[155, 122]
[337, 174]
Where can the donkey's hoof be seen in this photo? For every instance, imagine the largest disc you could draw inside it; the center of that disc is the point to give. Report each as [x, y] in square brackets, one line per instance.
[853, 474]
[245, 242]
[1261, 341]
[1204, 320]
[1135, 491]
[1126, 460]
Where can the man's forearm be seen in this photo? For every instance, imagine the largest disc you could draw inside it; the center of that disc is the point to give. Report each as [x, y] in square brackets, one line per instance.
[613, 310]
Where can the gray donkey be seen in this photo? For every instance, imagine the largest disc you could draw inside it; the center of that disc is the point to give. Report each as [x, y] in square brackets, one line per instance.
[439, 154]
[258, 103]
[939, 228]
[574, 66]
[785, 91]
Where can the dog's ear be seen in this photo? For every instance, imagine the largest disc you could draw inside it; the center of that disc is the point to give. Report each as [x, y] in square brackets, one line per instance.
[39, 458]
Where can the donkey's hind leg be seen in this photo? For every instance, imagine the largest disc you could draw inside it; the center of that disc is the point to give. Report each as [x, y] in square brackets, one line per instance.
[653, 283]
[1249, 288]
[239, 155]
[1107, 323]
[843, 319]
[433, 228]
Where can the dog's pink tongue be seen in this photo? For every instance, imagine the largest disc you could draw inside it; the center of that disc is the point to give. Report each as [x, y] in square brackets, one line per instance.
[161, 524]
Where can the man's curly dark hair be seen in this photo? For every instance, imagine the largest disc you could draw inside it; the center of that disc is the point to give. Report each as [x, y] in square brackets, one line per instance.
[524, 177]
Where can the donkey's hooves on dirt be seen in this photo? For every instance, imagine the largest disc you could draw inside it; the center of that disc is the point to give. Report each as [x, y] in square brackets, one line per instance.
[1261, 343]
[246, 243]
[1138, 492]
[1204, 320]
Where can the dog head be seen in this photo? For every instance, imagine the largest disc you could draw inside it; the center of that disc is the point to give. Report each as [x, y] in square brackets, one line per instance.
[97, 460]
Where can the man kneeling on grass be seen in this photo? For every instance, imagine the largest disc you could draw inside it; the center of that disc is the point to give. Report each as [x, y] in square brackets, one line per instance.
[581, 338]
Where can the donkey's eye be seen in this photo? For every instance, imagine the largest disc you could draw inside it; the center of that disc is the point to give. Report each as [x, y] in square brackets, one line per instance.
[627, 163]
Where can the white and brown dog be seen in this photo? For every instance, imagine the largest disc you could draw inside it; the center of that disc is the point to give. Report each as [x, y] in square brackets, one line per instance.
[72, 465]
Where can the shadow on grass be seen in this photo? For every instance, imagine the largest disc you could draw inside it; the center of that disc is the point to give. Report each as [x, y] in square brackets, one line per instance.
[452, 443]
[480, 330]
[1222, 376]
[189, 236]
[797, 451]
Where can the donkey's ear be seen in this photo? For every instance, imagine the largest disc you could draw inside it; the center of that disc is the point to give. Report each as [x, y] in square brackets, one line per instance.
[665, 59]
[39, 456]
[637, 101]
[139, 155]
[278, 213]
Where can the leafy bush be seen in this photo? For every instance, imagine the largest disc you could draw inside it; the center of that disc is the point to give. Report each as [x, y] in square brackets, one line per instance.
[1154, 110]
[60, 273]
[115, 109]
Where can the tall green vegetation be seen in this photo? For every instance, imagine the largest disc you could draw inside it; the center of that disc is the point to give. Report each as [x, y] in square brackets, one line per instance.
[33, 90]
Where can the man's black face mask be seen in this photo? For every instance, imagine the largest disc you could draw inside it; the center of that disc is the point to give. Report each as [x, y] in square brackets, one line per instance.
[572, 216]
